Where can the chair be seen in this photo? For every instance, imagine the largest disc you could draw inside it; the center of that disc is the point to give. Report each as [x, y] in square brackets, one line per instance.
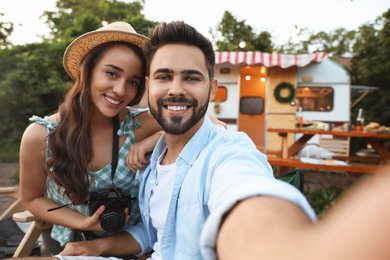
[31, 237]
[16, 206]
[18, 214]
[339, 145]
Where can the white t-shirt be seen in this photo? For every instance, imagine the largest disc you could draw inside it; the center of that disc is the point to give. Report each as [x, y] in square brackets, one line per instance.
[159, 202]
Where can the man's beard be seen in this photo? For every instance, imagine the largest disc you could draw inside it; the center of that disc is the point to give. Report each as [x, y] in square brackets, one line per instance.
[175, 124]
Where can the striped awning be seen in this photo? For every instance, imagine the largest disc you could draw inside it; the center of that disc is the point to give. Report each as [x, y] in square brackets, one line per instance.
[269, 59]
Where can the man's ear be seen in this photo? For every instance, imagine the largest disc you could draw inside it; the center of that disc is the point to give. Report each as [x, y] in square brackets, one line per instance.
[213, 89]
[146, 84]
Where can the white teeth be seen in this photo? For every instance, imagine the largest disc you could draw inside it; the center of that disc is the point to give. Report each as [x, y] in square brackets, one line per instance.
[177, 108]
[112, 101]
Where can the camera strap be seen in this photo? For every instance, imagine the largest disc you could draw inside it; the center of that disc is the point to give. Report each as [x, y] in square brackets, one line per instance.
[115, 151]
[115, 146]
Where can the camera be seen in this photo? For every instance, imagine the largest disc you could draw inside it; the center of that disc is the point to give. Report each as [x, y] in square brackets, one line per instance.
[114, 217]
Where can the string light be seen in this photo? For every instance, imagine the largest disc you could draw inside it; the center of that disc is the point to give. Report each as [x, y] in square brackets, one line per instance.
[242, 44]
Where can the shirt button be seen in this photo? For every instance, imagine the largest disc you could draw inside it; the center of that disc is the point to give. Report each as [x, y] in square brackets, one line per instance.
[152, 181]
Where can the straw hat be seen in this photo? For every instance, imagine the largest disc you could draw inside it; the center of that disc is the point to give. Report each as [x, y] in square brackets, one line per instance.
[117, 31]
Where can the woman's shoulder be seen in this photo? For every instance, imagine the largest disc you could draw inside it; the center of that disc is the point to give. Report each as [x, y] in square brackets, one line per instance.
[138, 119]
[130, 119]
[134, 111]
[39, 128]
[48, 121]
[35, 133]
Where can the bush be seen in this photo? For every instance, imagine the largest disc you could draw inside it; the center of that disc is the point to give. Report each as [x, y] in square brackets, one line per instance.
[9, 156]
[323, 199]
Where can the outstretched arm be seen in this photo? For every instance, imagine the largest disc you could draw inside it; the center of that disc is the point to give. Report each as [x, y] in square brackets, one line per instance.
[269, 228]
[262, 227]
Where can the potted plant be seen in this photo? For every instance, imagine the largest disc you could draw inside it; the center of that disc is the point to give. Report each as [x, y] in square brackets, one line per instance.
[217, 108]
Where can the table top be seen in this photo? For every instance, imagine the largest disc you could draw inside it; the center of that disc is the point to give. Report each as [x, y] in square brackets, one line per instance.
[364, 134]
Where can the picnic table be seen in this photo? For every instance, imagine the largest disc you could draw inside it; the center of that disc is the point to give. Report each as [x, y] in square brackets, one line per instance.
[285, 159]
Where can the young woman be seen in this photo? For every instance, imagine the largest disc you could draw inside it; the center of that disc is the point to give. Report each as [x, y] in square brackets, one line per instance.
[66, 158]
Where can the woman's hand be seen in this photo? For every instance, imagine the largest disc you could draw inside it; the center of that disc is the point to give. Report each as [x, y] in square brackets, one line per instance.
[92, 223]
[216, 121]
[137, 157]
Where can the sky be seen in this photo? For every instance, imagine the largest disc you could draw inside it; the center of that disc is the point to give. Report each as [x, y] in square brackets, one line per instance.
[279, 17]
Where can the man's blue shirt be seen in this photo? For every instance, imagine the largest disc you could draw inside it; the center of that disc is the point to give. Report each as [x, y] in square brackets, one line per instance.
[216, 169]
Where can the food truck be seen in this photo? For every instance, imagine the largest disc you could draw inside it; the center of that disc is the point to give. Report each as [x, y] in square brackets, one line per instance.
[259, 90]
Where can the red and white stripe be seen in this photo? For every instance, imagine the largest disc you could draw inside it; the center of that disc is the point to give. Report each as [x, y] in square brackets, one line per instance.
[269, 59]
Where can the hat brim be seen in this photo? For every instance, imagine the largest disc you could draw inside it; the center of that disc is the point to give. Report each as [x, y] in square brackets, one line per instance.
[86, 42]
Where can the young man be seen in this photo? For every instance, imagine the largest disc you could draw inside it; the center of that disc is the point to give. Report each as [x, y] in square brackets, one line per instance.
[200, 174]
[210, 194]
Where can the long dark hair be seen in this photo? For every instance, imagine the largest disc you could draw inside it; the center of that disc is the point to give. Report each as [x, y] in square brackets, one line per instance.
[70, 143]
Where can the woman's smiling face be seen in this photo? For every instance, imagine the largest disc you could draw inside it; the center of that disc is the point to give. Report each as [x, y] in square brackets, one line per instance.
[115, 79]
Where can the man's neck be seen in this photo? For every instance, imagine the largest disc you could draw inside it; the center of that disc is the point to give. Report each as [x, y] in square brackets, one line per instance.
[176, 143]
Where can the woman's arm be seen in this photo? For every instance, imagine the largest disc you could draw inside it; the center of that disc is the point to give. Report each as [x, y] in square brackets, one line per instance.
[137, 156]
[147, 136]
[216, 121]
[33, 182]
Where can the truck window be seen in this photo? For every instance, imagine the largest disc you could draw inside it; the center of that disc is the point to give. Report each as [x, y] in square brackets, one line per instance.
[252, 105]
[221, 94]
[319, 99]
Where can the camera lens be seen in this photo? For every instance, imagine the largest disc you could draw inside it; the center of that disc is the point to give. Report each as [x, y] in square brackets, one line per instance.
[112, 221]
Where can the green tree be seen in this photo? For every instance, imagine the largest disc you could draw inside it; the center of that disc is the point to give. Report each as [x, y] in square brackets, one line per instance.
[337, 43]
[370, 66]
[230, 32]
[6, 29]
[32, 83]
[76, 17]
[32, 78]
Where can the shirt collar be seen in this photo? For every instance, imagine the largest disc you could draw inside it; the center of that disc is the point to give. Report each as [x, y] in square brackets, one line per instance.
[192, 149]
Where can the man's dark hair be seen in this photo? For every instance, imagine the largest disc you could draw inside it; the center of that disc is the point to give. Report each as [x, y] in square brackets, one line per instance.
[178, 32]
